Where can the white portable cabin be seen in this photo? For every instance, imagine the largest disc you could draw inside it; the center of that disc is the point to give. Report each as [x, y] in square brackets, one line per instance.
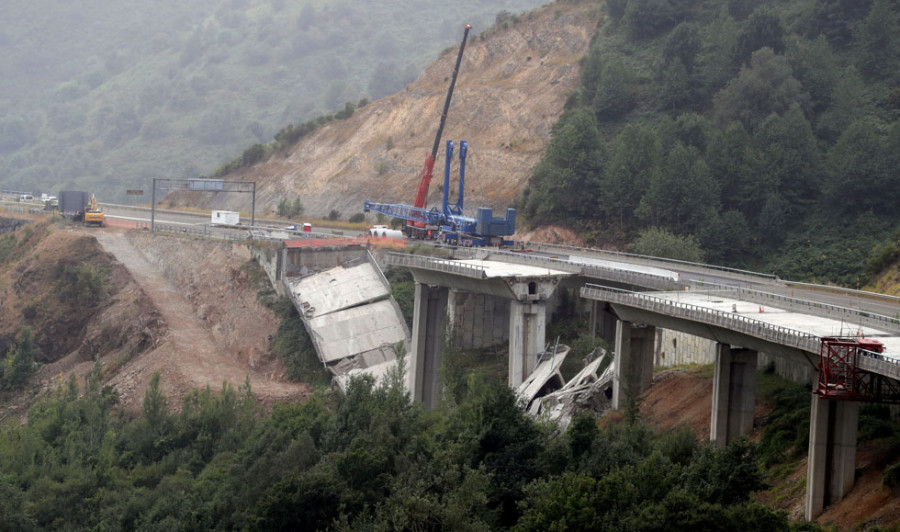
[225, 218]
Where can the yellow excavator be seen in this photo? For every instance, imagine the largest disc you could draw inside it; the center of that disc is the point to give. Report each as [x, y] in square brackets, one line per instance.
[93, 215]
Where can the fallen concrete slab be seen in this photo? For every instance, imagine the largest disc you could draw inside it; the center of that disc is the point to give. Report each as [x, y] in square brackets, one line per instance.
[351, 317]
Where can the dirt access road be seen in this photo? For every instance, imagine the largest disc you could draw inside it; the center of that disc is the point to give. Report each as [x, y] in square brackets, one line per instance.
[189, 355]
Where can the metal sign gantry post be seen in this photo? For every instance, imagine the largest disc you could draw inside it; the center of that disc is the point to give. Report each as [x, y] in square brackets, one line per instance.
[202, 185]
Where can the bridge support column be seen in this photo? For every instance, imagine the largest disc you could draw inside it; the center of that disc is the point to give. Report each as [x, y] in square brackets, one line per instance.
[832, 453]
[430, 309]
[527, 333]
[734, 394]
[632, 361]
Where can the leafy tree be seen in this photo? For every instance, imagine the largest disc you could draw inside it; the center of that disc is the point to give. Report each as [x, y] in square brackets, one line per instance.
[859, 177]
[290, 209]
[564, 186]
[682, 195]
[491, 433]
[850, 100]
[790, 163]
[878, 41]
[762, 30]
[569, 502]
[615, 90]
[647, 18]
[12, 515]
[774, 219]
[333, 215]
[694, 130]
[155, 406]
[816, 67]
[676, 89]
[683, 44]
[676, 74]
[726, 238]
[19, 362]
[634, 158]
[728, 476]
[657, 242]
[835, 19]
[253, 155]
[591, 73]
[767, 86]
[715, 62]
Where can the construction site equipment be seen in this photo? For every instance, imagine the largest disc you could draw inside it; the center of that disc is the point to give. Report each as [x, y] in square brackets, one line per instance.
[72, 204]
[840, 377]
[420, 228]
[449, 225]
[93, 215]
[385, 232]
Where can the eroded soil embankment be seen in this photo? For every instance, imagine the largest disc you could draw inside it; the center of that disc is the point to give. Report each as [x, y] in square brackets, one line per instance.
[217, 331]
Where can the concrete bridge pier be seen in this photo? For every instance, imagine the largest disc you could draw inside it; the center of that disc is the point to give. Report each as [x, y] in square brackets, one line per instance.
[832, 453]
[734, 393]
[527, 333]
[427, 347]
[632, 360]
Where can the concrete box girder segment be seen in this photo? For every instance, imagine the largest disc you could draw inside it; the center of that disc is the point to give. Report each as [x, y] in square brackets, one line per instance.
[353, 321]
[528, 288]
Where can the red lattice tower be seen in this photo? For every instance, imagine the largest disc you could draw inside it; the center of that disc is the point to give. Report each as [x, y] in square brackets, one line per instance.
[840, 377]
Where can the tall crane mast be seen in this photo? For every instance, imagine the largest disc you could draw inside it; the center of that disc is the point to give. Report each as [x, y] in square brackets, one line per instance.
[416, 228]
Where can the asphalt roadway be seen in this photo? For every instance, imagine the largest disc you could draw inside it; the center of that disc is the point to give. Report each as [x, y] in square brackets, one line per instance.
[856, 299]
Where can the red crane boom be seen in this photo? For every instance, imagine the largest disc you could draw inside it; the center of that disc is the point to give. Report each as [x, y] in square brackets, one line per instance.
[425, 177]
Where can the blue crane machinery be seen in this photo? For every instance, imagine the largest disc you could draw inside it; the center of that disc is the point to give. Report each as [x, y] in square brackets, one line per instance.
[449, 224]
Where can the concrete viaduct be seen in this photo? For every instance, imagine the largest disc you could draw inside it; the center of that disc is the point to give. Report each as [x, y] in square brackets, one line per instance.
[742, 315]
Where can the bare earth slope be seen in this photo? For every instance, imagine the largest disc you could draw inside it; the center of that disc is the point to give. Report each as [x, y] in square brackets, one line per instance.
[192, 354]
[512, 85]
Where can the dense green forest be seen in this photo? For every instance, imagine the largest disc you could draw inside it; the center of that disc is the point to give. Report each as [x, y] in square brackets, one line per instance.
[369, 461]
[752, 134]
[105, 96]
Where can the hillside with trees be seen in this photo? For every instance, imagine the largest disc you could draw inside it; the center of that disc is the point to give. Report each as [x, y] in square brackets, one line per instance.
[370, 461]
[105, 96]
[762, 135]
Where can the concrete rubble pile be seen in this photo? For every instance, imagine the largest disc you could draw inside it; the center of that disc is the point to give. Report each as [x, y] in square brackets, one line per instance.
[543, 394]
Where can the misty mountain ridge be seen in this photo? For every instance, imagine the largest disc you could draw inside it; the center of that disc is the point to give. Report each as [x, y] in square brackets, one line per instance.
[107, 97]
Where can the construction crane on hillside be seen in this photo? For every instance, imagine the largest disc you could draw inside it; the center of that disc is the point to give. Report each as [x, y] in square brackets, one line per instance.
[448, 224]
[419, 229]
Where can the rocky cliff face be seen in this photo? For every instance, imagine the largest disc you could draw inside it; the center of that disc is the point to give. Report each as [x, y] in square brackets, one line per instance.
[512, 84]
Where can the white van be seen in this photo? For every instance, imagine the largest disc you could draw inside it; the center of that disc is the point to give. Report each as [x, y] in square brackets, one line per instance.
[26, 197]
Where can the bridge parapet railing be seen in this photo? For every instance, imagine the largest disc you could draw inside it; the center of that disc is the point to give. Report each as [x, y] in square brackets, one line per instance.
[810, 343]
[659, 262]
[644, 280]
[850, 315]
[737, 322]
[435, 264]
